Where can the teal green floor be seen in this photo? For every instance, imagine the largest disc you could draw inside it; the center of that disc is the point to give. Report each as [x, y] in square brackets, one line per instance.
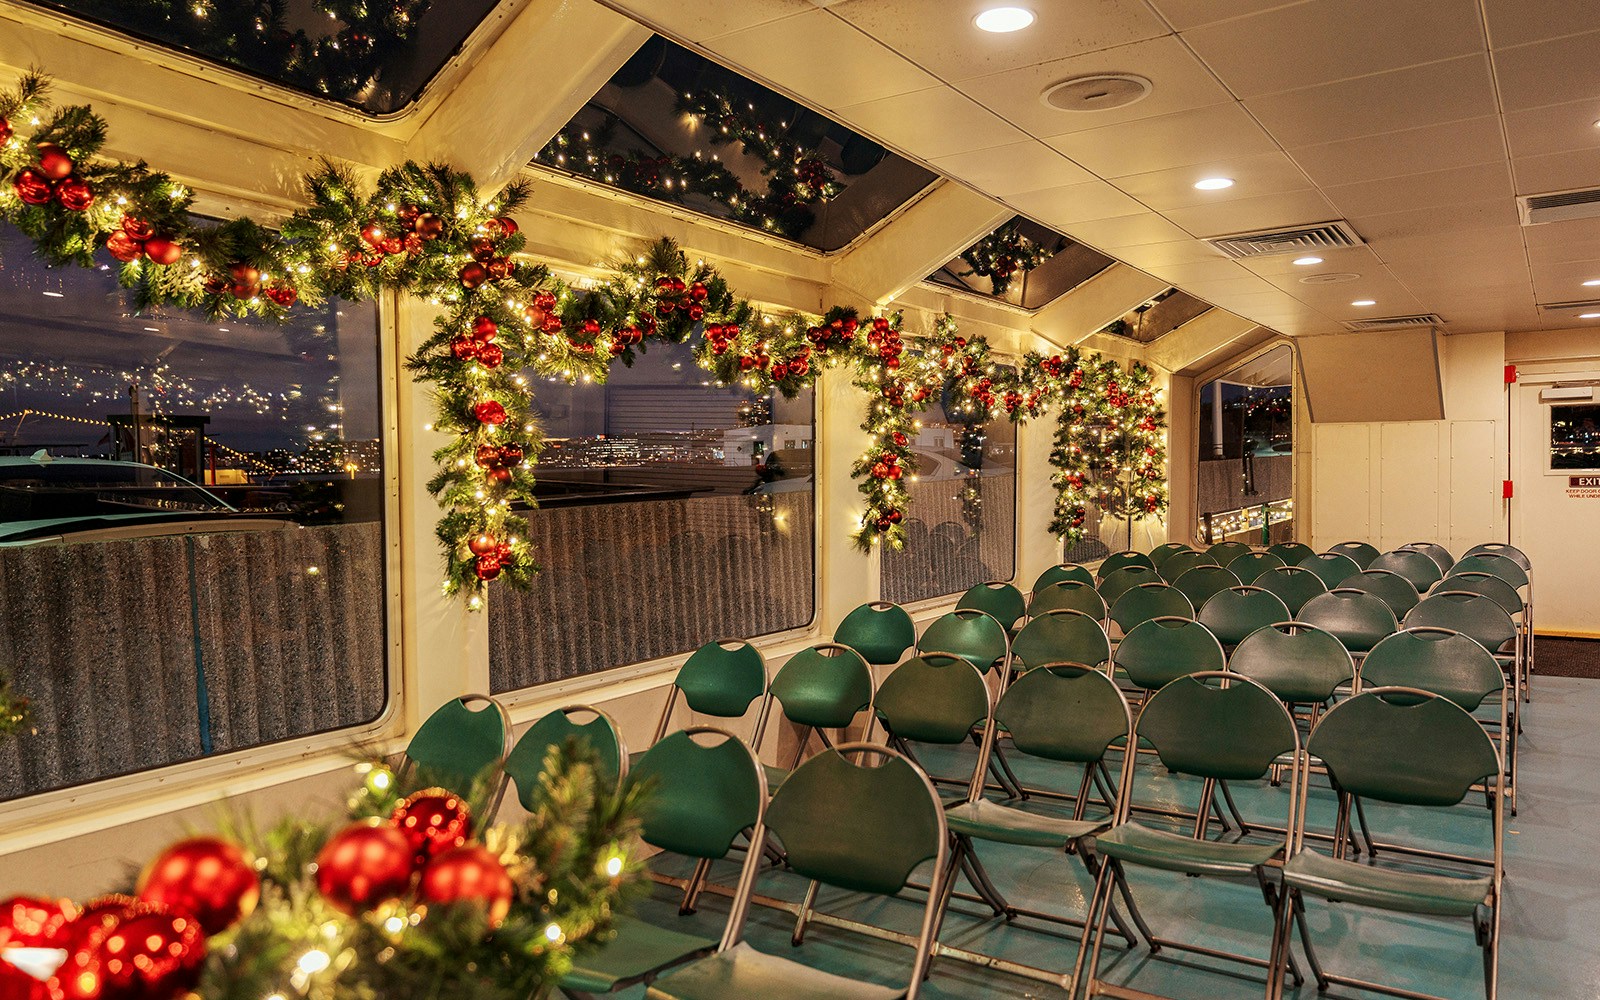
[1551, 916]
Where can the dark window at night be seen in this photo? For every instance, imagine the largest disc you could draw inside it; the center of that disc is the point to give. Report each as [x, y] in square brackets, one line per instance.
[1575, 437]
[1023, 263]
[373, 56]
[191, 538]
[1246, 456]
[676, 127]
[673, 512]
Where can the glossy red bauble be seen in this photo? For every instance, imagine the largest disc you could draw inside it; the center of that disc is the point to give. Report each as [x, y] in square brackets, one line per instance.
[433, 821]
[511, 456]
[54, 162]
[696, 313]
[34, 921]
[484, 329]
[283, 295]
[373, 235]
[487, 567]
[501, 476]
[487, 456]
[501, 267]
[474, 274]
[490, 355]
[482, 249]
[162, 250]
[489, 412]
[365, 864]
[482, 545]
[392, 245]
[698, 292]
[508, 225]
[75, 194]
[5, 131]
[152, 956]
[206, 877]
[124, 247]
[464, 348]
[137, 228]
[468, 875]
[894, 517]
[33, 187]
[429, 226]
[412, 243]
[242, 291]
[408, 215]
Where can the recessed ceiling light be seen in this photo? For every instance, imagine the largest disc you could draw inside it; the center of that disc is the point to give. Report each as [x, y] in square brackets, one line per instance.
[1589, 315]
[1213, 184]
[1003, 19]
[1591, 283]
[151, 329]
[1364, 302]
[1307, 261]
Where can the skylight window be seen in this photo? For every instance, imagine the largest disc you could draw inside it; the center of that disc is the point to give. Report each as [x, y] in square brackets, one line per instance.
[1157, 317]
[1023, 263]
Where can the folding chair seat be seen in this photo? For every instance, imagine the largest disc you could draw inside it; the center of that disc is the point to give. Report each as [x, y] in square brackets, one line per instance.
[1073, 595]
[848, 824]
[1357, 618]
[1060, 635]
[459, 744]
[1433, 550]
[1361, 553]
[722, 680]
[1249, 566]
[1216, 727]
[1182, 562]
[1333, 568]
[1292, 553]
[1123, 580]
[1418, 750]
[1147, 601]
[1226, 552]
[525, 765]
[1063, 571]
[1388, 586]
[1120, 560]
[1418, 567]
[1294, 586]
[1234, 613]
[1200, 583]
[997, 599]
[706, 791]
[972, 635]
[1161, 553]
[880, 631]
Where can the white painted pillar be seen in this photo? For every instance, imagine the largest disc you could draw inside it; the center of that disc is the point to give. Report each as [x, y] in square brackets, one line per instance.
[846, 577]
[1037, 549]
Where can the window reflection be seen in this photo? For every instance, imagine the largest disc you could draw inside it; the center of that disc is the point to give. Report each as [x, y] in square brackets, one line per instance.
[1575, 437]
[1246, 464]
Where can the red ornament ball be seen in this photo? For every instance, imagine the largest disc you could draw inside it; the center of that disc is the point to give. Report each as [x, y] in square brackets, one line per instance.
[482, 545]
[429, 226]
[124, 247]
[484, 329]
[472, 875]
[393, 245]
[5, 131]
[490, 355]
[33, 187]
[473, 275]
[487, 567]
[487, 456]
[75, 194]
[502, 267]
[696, 313]
[464, 348]
[162, 250]
[34, 921]
[698, 292]
[155, 955]
[137, 228]
[511, 456]
[489, 412]
[373, 234]
[501, 476]
[206, 877]
[412, 243]
[482, 249]
[54, 162]
[365, 864]
[508, 225]
[283, 295]
[433, 821]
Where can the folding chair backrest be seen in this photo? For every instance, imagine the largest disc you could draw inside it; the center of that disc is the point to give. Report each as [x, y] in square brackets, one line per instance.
[1063, 571]
[1064, 595]
[1437, 660]
[1418, 567]
[1500, 566]
[1433, 550]
[1226, 552]
[1061, 635]
[1388, 586]
[1292, 553]
[1123, 580]
[1294, 586]
[1064, 712]
[1511, 552]
[1215, 725]
[1119, 560]
[703, 794]
[1234, 613]
[1470, 614]
[1358, 619]
[1419, 750]
[1200, 583]
[932, 698]
[1492, 587]
[855, 826]
[525, 765]
[972, 635]
[1299, 663]
[1162, 649]
[462, 739]
[1333, 568]
[1000, 601]
[1183, 562]
[880, 631]
[1147, 601]
[824, 686]
[1361, 553]
[723, 679]
[1161, 553]
[1250, 565]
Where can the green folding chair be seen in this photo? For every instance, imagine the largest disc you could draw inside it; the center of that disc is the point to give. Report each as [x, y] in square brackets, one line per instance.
[822, 687]
[1438, 553]
[997, 599]
[972, 635]
[849, 825]
[1509, 564]
[1068, 595]
[1490, 586]
[1417, 750]
[1418, 567]
[707, 790]
[1161, 553]
[460, 742]
[1157, 652]
[1503, 550]
[1388, 586]
[1147, 601]
[1292, 553]
[1357, 618]
[1183, 562]
[1300, 663]
[1294, 586]
[1119, 560]
[1250, 565]
[525, 764]
[1234, 613]
[1333, 568]
[937, 699]
[1123, 580]
[1226, 552]
[1200, 583]
[722, 680]
[880, 631]
[1060, 635]
[1061, 572]
[1217, 727]
[1361, 553]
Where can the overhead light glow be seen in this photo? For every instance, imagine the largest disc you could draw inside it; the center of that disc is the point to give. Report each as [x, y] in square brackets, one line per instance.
[1364, 302]
[55, 295]
[1213, 184]
[1307, 261]
[1591, 283]
[1589, 315]
[1002, 19]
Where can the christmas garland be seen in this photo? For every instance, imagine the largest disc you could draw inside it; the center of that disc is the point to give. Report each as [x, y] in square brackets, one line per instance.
[409, 897]
[1110, 449]
[16, 713]
[1002, 255]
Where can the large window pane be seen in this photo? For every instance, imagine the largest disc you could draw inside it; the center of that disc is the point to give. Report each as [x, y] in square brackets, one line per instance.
[191, 549]
[961, 528]
[672, 513]
[1246, 458]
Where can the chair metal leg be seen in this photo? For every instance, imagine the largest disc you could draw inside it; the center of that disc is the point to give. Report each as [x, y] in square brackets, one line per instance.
[691, 891]
[1085, 973]
[1233, 810]
[1127, 897]
[1297, 908]
[804, 914]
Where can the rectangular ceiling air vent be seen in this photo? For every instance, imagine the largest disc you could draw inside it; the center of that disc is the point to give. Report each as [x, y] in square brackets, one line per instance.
[1300, 239]
[1394, 322]
[1561, 207]
[1588, 304]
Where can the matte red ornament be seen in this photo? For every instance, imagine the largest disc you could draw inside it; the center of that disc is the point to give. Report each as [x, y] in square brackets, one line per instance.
[33, 187]
[489, 412]
[54, 162]
[206, 877]
[490, 355]
[484, 329]
[365, 864]
[474, 274]
[469, 874]
[429, 226]
[75, 194]
[487, 567]
[162, 250]
[124, 247]
[137, 228]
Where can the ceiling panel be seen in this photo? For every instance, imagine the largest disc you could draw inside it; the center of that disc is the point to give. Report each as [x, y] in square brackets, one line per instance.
[1264, 173]
[1562, 242]
[1557, 171]
[1385, 102]
[1553, 72]
[1073, 203]
[1501, 243]
[1513, 22]
[1189, 137]
[710, 20]
[1186, 14]
[1127, 231]
[931, 123]
[1242, 215]
[1302, 45]
[1408, 151]
[1484, 182]
[942, 38]
[773, 51]
[1180, 83]
[1018, 166]
[1440, 221]
[1564, 282]
[1184, 253]
[1554, 129]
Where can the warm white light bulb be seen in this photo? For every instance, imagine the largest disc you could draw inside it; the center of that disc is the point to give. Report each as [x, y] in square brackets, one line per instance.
[1307, 261]
[1213, 184]
[1364, 302]
[1003, 19]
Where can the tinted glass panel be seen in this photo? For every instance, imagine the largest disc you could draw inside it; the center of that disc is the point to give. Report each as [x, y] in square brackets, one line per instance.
[1023, 263]
[191, 540]
[1575, 437]
[1246, 459]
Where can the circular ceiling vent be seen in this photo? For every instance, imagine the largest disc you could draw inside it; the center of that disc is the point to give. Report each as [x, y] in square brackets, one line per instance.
[1099, 92]
[1331, 278]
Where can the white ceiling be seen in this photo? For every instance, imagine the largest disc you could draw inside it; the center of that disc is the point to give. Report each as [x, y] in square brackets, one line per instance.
[1418, 121]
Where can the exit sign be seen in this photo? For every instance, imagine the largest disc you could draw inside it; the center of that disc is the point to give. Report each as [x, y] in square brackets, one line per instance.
[1583, 482]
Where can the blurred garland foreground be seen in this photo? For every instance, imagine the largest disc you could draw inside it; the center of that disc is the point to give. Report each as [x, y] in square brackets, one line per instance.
[408, 897]
[428, 232]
